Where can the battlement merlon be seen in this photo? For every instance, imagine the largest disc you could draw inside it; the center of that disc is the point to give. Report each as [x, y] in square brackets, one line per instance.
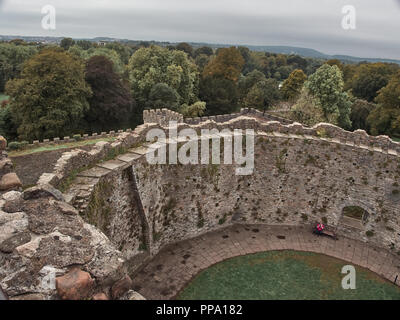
[161, 116]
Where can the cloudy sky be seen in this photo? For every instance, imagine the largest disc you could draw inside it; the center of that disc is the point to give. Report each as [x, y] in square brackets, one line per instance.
[305, 23]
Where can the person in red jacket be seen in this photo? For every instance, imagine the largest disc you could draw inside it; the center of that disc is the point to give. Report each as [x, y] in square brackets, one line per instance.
[319, 229]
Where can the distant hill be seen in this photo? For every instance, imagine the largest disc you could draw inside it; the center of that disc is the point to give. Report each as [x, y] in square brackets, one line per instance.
[304, 52]
[312, 53]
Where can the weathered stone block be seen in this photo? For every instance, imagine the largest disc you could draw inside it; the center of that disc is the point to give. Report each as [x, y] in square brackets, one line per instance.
[6, 166]
[75, 285]
[42, 191]
[13, 201]
[10, 181]
[14, 241]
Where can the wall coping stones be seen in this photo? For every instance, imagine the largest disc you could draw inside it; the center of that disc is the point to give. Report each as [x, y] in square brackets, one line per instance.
[96, 172]
[140, 150]
[295, 136]
[113, 165]
[128, 157]
[278, 134]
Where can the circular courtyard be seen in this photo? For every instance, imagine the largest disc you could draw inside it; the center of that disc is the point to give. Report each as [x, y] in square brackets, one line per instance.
[267, 262]
[292, 275]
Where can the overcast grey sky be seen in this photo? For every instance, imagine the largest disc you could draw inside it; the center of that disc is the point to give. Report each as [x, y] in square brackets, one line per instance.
[305, 23]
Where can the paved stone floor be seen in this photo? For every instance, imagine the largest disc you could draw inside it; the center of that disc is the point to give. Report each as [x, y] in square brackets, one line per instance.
[170, 271]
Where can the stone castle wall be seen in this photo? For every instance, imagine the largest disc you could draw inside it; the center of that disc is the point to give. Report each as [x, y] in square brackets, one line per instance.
[301, 175]
[127, 210]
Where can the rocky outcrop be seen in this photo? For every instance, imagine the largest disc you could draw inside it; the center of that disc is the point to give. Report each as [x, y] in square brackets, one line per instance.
[48, 252]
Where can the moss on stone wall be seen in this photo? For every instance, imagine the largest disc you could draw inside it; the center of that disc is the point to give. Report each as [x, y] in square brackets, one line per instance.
[98, 210]
[281, 161]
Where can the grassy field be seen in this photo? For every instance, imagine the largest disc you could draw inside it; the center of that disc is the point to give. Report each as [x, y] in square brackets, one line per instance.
[3, 97]
[290, 275]
[58, 146]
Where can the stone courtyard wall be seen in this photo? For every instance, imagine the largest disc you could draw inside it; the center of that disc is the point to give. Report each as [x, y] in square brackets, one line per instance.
[125, 210]
[302, 175]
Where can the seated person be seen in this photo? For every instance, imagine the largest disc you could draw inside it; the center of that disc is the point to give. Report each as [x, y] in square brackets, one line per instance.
[319, 229]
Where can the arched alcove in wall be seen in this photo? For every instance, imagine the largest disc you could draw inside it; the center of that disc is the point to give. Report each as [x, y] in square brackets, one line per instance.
[354, 216]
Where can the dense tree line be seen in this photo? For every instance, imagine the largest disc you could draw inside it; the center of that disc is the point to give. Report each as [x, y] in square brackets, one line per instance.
[82, 87]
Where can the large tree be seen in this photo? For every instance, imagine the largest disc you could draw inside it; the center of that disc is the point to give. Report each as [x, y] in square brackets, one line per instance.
[8, 128]
[197, 109]
[50, 97]
[123, 50]
[307, 109]
[360, 111]
[201, 61]
[227, 64]
[263, 95]
[111, 54]
[185, 47]
[163, 96]
[111, 101]
[66, 43]
[327, 85]
[203, 50]
[220, 95]
[150, 66]
[12, 57]
[369, 78]
[385, 119]
[250, 63]
[389, 96]
[247, 82]
[292, 86]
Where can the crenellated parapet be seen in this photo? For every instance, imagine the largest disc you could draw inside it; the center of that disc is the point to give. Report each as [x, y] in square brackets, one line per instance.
[243, 112]
[161, 116]
[74, 160]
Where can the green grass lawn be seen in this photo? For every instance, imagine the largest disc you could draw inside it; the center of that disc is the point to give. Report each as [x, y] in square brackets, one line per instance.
[3, 97]
[288, 275]
[58, 146]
